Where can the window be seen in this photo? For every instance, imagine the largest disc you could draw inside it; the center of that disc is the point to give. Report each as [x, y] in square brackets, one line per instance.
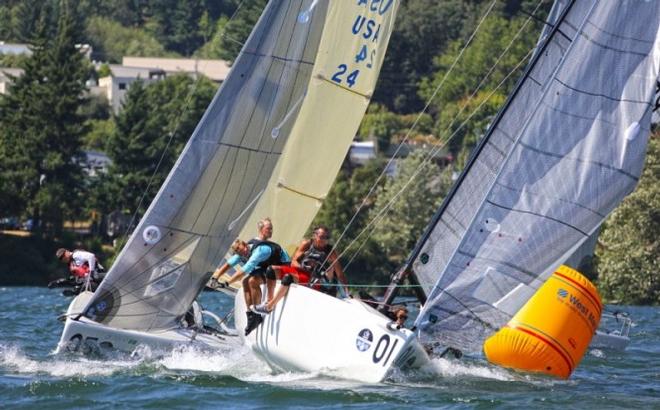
[122, 86]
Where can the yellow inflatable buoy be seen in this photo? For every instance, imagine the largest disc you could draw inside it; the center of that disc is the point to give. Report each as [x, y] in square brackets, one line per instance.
[551, 333]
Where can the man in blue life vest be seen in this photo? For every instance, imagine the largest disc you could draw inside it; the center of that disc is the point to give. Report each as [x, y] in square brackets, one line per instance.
[314, 261]
[265, 232]
[259, 257]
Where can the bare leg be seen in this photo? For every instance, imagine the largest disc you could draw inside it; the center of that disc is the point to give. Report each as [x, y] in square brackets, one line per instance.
[287, 280]
[254, 283]
[270, 283]
[281, 293]
[246, 291]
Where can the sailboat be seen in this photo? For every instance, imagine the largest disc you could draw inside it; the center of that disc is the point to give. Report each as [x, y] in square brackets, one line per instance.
[564, 150]
[148, 296]
[350, 339]
[562, 153]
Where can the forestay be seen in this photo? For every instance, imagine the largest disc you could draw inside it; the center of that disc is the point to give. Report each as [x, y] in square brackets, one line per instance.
[343, 81]
[567, 147]
[220, 174]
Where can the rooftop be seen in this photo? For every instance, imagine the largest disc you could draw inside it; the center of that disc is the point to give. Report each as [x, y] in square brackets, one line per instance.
[216, 70]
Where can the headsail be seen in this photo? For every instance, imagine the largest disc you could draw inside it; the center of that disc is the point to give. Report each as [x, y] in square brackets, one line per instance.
[221, 172]
[564, 151]
[350, 57]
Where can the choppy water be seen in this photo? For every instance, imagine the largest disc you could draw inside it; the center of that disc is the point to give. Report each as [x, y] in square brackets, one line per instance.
[32, 377]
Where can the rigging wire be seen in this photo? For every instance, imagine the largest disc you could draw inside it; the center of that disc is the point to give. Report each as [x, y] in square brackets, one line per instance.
[427, 160]
[413, 126]
[441, 144]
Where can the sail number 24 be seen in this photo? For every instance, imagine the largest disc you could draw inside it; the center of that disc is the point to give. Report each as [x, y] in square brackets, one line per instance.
[368, 30]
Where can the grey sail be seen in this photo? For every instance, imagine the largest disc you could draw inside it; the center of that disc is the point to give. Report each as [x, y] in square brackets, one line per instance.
[220, 174]
[566, 148]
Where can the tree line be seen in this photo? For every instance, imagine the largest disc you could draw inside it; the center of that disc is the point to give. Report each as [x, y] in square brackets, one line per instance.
[47, 120]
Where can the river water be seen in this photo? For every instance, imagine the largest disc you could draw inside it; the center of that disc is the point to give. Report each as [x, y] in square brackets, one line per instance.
[32, 377]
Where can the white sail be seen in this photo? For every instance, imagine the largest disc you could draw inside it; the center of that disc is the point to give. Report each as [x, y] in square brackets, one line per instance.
[567, 147]
[344, 78]
[221, 172]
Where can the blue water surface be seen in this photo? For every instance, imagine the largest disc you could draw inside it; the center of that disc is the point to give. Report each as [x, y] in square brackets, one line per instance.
[32, 377]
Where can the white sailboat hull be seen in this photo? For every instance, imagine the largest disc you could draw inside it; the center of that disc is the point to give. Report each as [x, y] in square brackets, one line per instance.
[313, 332]
[82, 334]
[604, 340]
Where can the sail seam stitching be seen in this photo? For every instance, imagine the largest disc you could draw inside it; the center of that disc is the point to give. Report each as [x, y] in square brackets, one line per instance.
[295, 191]
[624, 100]
[322, 77]
[579, 160]
[249, 149]
[274, 57]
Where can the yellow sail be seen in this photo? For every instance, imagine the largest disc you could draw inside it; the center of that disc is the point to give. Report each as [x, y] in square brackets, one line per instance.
[349, 59]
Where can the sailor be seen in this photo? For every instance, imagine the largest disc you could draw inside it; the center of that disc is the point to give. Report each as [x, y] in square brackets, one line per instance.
[259, 257]
[314, 260]
[264, 233]
[399, 315]
[86, 273]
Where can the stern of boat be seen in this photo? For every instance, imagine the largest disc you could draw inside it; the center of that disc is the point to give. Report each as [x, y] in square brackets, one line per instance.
[313, 332]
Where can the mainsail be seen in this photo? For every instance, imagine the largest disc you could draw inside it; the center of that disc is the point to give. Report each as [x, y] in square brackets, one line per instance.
[343, 81]
[220, 174]
[566, 148]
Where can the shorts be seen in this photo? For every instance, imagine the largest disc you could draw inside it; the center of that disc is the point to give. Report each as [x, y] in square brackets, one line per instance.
[302, 276]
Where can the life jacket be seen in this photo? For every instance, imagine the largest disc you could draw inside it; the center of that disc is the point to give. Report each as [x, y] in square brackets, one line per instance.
[82, 271]
[275, 254]
[79, 272]
[315, 260]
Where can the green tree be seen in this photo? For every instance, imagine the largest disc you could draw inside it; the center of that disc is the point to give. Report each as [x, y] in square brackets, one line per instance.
[149, 117]
[462, 123]
[213, 47]
[238, 29]
[410, 205]
[41, 125]
[422, 30]
[6, 29]
[175, 23]
[386, 127]
[344, 200]
[113, 41]
[492, 39]
[628, 260]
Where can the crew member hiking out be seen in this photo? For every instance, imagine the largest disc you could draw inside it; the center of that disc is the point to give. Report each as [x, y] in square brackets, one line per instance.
[85, 272]
[259, 257]
[314, 260]
[264, 233]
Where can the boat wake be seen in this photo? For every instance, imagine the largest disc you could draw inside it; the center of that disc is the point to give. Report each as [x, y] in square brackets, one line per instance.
[454, 369]
[240, 364]
[14, 360]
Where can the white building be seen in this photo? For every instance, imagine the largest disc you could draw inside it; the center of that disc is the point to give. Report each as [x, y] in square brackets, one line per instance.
[216, 70]
[115, 86]
[362, 152]
[5, 81]
[14, 48]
